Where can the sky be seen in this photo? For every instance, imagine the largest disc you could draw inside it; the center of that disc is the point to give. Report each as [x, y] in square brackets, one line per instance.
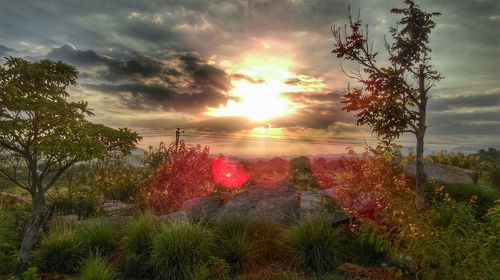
[254, 78]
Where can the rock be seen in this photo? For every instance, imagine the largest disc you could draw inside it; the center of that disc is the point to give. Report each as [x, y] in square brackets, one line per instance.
[202, 207]
[112, 221]
[279, 204]
[175, 217]
[444, 173]
[310, 205]
[117, 208]
[64, 220]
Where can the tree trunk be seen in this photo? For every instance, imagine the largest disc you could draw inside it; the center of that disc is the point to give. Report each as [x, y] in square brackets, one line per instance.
[420, 133]
[38, 219]
[420, 174]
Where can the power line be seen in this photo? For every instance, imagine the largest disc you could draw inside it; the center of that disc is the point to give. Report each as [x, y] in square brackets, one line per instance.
[291, 139]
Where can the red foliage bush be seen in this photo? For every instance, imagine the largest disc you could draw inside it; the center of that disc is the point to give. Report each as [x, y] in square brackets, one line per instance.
[324, 171]
[185, 174]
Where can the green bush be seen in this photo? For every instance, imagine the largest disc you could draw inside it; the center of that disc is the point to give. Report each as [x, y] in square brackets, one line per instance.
[83, 206]
[361, 248]
[233, 242]
[98, 238]
[29, 274]
[60, 251]
[179, 249]
[452, 244]
[465, 192]
[96, 268]
[313, 244]
[137, 245]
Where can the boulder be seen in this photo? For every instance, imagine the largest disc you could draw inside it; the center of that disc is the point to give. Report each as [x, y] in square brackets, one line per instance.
[117, 208]
[444, 173]
[202, 207]
[175, 217]
[311, 205]
[279, 204]
[112, 221]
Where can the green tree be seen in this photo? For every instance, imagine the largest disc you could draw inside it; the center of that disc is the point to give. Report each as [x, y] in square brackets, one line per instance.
[393, 96]
[46, 133]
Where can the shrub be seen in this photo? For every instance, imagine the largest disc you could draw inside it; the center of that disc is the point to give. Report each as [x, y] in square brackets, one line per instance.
[364, 247]
[179, 249]
[137, 245]
[96, 267]
[483, 197]
[29, 274]
[185, 174]
[449, 243]
[98, 238]
[83, 206]
[233, 243]
[60, 251]
[313, 244]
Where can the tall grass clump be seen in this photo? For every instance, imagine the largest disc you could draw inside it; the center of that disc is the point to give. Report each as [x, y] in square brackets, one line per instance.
[264, 237]
[98, 238]
[313, 245]
[137, 245]
[233, 242]
[60, 251]
[179, 249]
[96, 267]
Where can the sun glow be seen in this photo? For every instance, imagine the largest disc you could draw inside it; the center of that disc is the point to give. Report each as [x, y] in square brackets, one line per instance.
[259, 94]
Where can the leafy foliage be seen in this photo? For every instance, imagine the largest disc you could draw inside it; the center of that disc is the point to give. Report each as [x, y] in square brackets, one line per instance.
[185, 174]
[156, 156]
[179, 249]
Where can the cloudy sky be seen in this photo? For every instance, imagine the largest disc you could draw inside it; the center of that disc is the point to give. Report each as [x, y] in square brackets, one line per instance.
[253, 77]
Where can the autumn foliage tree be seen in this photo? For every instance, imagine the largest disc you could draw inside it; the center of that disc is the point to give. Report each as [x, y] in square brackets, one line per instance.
[185, 174]
[393, 96]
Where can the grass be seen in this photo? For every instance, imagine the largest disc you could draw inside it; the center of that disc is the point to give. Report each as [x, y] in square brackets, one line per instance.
[313, 245]
[60, 251]
[98, 238]
[233, 242]
[137, 245]
[179, 249]
[96, 267]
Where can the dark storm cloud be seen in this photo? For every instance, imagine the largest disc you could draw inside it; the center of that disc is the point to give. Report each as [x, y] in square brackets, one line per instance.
[479, 100]
[146, 97]
[204, 74]
[135, 64]
[4, 50]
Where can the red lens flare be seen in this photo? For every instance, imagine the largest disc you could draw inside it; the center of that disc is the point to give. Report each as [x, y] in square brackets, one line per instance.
[229, 173]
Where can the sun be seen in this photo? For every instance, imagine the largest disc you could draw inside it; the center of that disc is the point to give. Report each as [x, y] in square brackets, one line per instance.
[260, 96]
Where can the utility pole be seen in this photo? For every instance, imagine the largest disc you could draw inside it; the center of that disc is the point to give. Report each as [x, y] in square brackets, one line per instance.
[177, 138]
